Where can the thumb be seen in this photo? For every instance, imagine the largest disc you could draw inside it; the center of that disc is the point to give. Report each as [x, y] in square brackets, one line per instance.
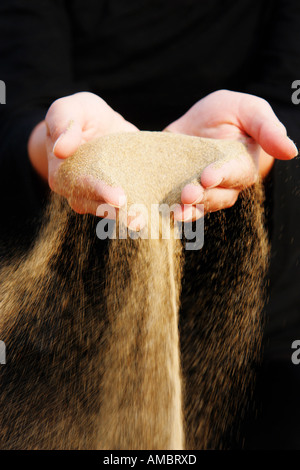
[64, 131]
[260, 122]
[68, 141]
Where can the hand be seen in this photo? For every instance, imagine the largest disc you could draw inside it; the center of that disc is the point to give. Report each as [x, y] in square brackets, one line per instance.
[70, 122]
[236, 116]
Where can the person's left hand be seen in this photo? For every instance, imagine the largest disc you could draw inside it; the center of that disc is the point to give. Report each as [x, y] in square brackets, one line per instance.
[236, 116]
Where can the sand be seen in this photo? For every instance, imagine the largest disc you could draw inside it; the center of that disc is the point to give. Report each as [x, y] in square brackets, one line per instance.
[117, 365]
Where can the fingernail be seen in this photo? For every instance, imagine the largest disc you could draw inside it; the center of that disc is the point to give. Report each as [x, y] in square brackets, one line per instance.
[122, 202]
[295, 147]
[200, 199]
[219, 181]
[71, 122]
[56, 142]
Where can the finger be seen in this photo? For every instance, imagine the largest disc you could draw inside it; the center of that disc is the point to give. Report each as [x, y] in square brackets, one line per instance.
[103, 210]
[238, 172]
[192, 194]
[136, 223]
[218, 198]
[257, 118]
[87, 206]
[188, 213]
[65, 121]
[92, 188]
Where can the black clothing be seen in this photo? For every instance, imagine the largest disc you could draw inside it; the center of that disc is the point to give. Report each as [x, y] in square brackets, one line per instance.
[151, 60]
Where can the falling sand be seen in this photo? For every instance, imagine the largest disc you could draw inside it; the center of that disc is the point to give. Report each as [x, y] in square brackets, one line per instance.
[134, 343]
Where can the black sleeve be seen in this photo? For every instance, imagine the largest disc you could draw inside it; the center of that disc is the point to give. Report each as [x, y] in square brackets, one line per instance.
[278, 63]
[278, 67]
[36, 66]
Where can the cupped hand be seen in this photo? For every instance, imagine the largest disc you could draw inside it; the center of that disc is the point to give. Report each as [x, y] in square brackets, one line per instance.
[235, 116]
[70, 122]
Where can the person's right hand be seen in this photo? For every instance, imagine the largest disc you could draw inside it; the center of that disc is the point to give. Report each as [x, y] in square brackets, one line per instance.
[70, 122]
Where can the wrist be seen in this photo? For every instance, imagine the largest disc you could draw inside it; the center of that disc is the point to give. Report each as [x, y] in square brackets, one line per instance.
[37, 152]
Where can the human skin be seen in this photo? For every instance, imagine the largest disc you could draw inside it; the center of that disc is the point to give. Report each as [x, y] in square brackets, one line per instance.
[70, 122]
[231, 115]
[224, 114]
